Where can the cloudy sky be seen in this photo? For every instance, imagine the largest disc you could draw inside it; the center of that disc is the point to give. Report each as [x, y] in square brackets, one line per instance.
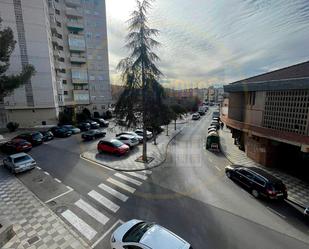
[217, 41]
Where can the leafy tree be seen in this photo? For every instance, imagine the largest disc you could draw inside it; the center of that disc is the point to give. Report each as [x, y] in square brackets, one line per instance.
[10, 82]
[142, 91]
[177, 112]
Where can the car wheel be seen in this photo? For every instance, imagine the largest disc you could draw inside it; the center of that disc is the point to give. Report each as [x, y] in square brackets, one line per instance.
[228, 174]
[255, 193]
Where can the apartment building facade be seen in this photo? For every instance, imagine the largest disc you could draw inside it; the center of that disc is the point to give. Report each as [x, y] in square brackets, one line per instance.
[66, 41]
[269, 116]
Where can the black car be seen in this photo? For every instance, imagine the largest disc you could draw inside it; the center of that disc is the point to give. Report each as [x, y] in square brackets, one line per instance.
[16, 145]
[93, 124]
[47, 135]
[259, 182]
[101, 122]
[35, 138]
[93, 134]
[60, 132]
[84, 126]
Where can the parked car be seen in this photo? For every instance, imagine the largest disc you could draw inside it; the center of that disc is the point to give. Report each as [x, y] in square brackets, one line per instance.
[306, 212]
[16, 145]
[93, 124]
[60, 132]
[146, 235]
[216, 114]
[71, 128]
[259, 182]
[196, 116]
[47, 135]
[102, 122]
[138, 137]
[213, 126]
[93, 134]
[212, 129]
[35, 138]
[129, 140]
[216, 124]
[19, 162]
[84, 126]
[140, 133]
[113, 146]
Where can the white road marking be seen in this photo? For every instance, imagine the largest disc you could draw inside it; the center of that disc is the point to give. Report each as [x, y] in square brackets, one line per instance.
[46, 173]
[94, 213]
[106, 233]
[275, 212]
[121, 185]
[79, 224]
[38, 167]
[128, 179]
[104, 201]
[70, 190]
[57, 180]
[217, 168]
[143, 177]
[113, 192]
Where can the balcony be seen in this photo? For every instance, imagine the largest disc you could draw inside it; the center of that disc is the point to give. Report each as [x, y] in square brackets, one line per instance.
[78, 59]
[74, 12]
[75, 26]
[77, 43]
[81, 97]
[57, 41]
[73, 3]
[79, 76]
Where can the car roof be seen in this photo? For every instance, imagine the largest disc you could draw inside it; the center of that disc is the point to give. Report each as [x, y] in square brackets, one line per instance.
[263, 173]
[160, 237]
[127, 136]
[18, 155]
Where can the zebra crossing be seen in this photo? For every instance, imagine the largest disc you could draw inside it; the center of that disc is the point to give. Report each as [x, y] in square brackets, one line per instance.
[92, 214]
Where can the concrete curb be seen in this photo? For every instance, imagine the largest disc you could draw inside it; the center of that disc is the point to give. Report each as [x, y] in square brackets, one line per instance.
[292, 200]
[136, 170]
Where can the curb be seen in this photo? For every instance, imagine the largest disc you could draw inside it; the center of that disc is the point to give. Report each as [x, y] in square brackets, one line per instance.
[136, 170]
[292, 200]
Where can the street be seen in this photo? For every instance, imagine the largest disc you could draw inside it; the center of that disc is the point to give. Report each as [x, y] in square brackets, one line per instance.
[188, 194]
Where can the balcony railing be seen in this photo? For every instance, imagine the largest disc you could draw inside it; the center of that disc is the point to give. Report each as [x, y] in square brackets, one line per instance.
[74, 12]
[57, 41]
[77, 43]
[81, 97]
[78, 59]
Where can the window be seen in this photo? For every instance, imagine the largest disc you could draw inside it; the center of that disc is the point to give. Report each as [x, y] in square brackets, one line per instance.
[57, 12]
[60, 48]
[64, 81]
[61, 59]
[58, 24]
[65, 92]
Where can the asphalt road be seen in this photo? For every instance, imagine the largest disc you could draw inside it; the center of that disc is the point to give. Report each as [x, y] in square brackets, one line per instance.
[189, 194]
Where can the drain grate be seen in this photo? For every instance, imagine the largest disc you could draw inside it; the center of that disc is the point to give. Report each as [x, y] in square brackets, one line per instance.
[32, 240]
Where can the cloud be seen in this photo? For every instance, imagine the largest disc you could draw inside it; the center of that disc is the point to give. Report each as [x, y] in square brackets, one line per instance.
[219, 41]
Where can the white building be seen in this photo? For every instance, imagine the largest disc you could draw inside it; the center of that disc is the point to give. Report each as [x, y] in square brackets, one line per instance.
[66, 41]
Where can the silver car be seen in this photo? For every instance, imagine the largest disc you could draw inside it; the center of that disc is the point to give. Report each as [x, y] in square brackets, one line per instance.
[19, 162]
[129, 140]
[144, 235]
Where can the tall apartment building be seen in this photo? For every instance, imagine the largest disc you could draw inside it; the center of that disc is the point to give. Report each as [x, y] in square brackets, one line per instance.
[66, 41]
[269, 115]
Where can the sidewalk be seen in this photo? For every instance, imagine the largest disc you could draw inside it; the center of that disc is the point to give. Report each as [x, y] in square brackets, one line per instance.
[128, 162]
[35, 225]
[298, 191]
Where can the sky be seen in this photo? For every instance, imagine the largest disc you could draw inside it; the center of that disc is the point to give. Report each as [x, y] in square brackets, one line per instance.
[206, 42]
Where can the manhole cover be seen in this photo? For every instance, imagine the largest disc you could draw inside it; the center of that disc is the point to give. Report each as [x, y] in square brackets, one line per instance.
[61, 209]
[33, 240]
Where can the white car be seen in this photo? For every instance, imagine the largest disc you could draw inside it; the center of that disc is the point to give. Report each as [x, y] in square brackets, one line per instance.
[196, 116]
[144, 235]
[138, 137]
[140, 133]
[19, 162]
[129, 140]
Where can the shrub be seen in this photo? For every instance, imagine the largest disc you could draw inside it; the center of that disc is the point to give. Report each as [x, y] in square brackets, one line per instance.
[12, 126]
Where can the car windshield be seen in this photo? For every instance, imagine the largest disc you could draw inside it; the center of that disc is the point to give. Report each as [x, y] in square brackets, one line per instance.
[21, 159]
[136, 232]
[117, 143]
[37, 135]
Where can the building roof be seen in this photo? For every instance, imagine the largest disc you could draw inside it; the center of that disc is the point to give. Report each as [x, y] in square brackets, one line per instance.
[294, 77]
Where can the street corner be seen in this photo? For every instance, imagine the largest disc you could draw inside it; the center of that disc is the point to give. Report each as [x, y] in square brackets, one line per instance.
[126, 162]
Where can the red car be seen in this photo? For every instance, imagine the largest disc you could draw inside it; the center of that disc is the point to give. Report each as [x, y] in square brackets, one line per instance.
[113, 146]
[16, 145]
